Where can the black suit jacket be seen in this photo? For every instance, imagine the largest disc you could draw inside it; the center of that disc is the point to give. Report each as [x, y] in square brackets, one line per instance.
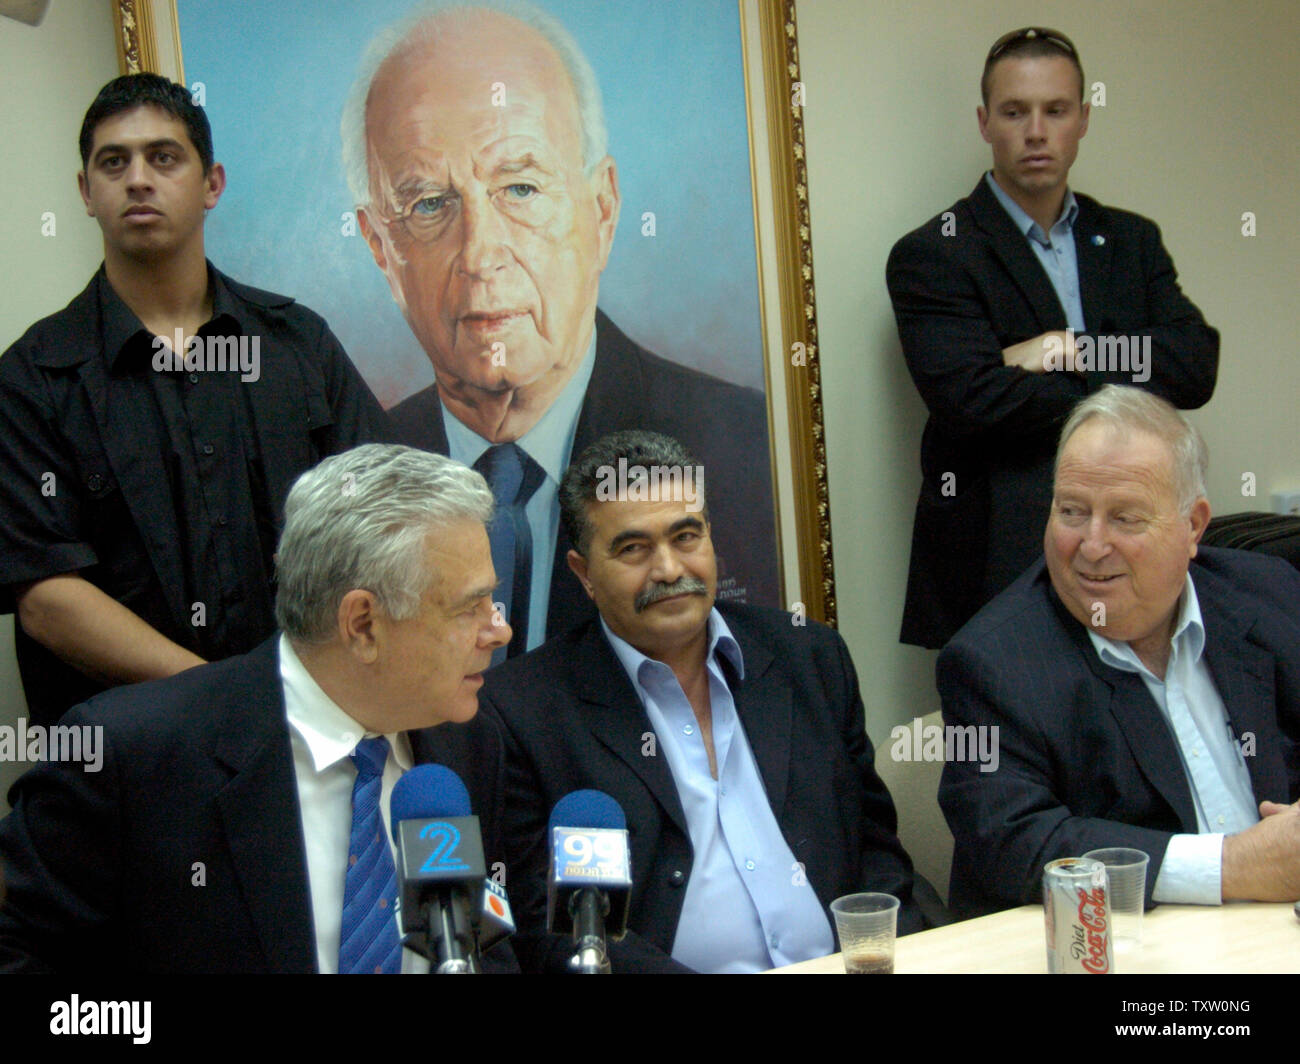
[1086, 758]
[724, 425]
[966, 285]
[185, 852]
[571, 720]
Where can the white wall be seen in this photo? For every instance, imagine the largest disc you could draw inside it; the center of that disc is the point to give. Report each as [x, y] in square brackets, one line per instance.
[48, 76]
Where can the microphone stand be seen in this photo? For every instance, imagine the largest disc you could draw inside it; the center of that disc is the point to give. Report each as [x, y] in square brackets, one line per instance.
[589, 908]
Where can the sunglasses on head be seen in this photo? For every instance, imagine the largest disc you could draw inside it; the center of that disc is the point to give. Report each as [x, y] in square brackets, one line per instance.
[1031, 33]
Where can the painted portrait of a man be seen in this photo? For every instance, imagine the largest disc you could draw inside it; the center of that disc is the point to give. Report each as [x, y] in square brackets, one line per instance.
[510, 290]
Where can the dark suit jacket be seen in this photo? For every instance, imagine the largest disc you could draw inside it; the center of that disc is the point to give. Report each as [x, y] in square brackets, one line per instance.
[961, 298]
[103, 868]
[1086, 758]
[724, 425]
[572, 720]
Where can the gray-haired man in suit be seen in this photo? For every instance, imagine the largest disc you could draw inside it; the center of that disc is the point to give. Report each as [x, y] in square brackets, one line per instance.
[1145, 691]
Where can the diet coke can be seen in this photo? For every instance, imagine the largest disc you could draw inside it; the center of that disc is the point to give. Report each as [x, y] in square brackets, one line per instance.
[1076, 904]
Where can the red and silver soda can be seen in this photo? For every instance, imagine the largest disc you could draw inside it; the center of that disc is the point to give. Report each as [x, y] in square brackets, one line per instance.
[1076, 903]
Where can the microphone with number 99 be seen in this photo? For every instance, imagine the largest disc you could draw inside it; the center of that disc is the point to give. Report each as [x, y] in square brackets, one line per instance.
[440, 866]
[591, 874]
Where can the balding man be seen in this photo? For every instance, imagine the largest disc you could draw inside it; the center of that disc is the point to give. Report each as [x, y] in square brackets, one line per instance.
[1144, 691]
[474, 141]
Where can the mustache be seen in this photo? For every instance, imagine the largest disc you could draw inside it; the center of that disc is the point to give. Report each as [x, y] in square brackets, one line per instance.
[684, 585]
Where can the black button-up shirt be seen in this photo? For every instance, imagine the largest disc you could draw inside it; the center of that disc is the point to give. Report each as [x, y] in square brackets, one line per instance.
[164, 486]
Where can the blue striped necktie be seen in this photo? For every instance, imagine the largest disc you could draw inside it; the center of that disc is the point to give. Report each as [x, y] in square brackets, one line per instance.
[368, 939]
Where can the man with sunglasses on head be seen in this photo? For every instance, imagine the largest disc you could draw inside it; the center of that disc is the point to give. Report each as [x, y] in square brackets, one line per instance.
[1012, 305]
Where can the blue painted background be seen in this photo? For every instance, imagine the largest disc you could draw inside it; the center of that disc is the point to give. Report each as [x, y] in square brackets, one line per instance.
[275, 75]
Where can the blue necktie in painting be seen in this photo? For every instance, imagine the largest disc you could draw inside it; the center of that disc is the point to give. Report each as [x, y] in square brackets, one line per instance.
[513, 478]
[368, 939]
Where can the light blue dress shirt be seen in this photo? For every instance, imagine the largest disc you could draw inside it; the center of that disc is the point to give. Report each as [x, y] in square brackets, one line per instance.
[549, 443]
[1055, 250]
[748, 905]
[1212, 761]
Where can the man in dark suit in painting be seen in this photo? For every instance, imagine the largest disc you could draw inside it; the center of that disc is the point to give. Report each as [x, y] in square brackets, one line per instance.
[474, 141]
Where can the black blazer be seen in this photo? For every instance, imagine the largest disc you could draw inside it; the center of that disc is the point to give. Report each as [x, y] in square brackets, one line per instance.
[966, 285]
[572, 720]
[724, 425]
[1085, 757]
[185, 852]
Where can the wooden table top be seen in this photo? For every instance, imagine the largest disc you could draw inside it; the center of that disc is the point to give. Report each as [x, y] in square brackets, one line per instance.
[1238, 937]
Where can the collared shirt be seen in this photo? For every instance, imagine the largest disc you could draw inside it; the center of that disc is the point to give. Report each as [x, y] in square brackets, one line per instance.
[203, 428]
[164, 489]
[1212, 761]
[748, 907]
[1055, 250]
[549, 443]
[322, 737]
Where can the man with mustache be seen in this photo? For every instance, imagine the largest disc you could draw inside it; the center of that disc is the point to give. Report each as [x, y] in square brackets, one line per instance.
[150, 430]
[475, 148]
[731, 735]
[1012, 305]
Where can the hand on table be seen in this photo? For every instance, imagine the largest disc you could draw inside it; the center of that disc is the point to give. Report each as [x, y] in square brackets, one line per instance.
[1262, 863]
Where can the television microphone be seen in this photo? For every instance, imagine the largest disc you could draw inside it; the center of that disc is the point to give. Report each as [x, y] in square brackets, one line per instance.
[591, 875]
[440, 867]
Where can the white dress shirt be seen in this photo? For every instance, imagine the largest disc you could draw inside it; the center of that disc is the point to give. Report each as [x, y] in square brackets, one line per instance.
[322, 736]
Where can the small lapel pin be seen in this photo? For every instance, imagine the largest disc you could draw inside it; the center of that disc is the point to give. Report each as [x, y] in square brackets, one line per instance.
[1098, 240]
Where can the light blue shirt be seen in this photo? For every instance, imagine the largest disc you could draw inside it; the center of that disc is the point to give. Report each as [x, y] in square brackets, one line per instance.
[1211, 759]
[748, 904]
[549, 443]
[1055, 250]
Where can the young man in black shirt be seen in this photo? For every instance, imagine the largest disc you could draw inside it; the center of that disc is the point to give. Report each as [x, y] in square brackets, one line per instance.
[151, 429]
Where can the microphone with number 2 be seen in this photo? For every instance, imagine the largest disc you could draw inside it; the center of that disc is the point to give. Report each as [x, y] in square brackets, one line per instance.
[441, 869]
